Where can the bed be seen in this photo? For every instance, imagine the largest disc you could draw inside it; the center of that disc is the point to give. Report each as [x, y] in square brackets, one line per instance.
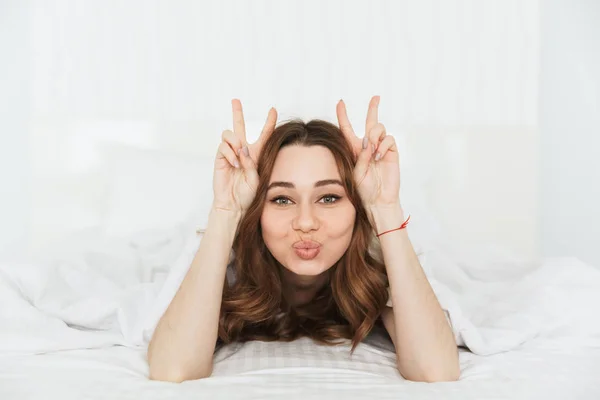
[78, 326]
[304, 370]
[76, 317]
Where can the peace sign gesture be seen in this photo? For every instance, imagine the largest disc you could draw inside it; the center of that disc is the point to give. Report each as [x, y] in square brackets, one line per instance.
[235, 179]
[377, 170]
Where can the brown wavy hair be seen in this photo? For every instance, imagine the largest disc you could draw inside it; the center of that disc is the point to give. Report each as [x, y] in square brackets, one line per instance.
[347, 307]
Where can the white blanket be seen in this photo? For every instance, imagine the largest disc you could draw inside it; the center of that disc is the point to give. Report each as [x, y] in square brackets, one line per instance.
[92, 294]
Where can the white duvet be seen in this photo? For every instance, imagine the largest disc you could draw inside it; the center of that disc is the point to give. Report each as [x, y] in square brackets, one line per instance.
[90, 294]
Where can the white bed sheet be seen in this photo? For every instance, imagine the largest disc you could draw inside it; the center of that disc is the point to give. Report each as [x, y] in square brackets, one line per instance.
[121, 373]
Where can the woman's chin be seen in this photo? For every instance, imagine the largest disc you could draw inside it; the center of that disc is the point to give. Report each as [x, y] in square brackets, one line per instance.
[306, 267]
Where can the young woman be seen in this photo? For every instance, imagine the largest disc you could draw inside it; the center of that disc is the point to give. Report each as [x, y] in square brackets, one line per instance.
[313, 215]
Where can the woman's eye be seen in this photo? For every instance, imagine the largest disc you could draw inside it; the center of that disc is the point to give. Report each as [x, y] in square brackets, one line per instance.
[330, 198]
[281, 201]
[327, 199]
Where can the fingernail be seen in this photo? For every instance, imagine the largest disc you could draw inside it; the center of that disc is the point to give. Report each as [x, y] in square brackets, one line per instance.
[246, 151]
[236, 164]
[377, 156]
[365, 142]
[238, 151]
[372, 148]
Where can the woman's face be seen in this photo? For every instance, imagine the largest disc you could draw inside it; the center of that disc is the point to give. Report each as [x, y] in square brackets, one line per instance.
[307, 220]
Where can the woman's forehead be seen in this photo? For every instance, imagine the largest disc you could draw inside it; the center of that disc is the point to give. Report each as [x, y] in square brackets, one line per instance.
[304, 164]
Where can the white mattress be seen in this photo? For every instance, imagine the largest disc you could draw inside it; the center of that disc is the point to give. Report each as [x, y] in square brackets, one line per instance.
[303, 370]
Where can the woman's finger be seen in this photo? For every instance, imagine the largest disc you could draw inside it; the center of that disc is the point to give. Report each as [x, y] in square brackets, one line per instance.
[375, 136]
[372, 113]
[387, 145]
[239, 126]
[344, 122]
[234, 141]
[225, 151]
[266, 132]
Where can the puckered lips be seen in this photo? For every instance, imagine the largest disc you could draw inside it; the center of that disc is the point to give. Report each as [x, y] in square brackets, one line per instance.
[307, 249]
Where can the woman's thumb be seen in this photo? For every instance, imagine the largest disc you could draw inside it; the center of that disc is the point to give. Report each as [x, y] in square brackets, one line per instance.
[247, 163]
[362, 163]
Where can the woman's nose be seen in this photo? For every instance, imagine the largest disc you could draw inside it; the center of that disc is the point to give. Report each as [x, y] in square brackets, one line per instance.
[306, 219]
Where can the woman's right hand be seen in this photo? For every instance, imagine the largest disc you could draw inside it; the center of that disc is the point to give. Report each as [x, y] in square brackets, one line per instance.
[235, 179]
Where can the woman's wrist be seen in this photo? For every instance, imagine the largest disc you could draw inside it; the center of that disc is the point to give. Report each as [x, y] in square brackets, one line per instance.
[225, 212]
[386, 217]
[225, 221]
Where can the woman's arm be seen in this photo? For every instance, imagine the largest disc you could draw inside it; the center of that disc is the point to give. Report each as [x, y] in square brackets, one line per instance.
[184, 341]
[425, 346]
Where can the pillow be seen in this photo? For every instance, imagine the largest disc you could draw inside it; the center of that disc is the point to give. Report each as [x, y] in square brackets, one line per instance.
[153, 189]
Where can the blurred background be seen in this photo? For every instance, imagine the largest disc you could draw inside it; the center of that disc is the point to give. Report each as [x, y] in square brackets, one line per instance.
[111, 111]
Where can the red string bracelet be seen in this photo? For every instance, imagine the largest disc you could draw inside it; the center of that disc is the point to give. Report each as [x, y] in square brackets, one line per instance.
[396, 229]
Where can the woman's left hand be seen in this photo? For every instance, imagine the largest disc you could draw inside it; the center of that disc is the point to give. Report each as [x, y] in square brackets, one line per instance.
[377, 170]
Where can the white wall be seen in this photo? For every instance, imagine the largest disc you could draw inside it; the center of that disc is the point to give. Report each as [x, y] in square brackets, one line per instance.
[570, 128]
[458, 81]
[15, 102]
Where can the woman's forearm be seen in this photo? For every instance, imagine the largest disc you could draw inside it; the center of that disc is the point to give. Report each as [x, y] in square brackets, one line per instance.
[425, 345]
[184, 341]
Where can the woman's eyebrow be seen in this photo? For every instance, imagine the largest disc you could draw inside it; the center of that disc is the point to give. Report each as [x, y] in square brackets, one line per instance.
[326, 182]
[290, 185]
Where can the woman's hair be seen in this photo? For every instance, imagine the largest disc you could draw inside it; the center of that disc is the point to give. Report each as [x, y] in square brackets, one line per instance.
[348, 307]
